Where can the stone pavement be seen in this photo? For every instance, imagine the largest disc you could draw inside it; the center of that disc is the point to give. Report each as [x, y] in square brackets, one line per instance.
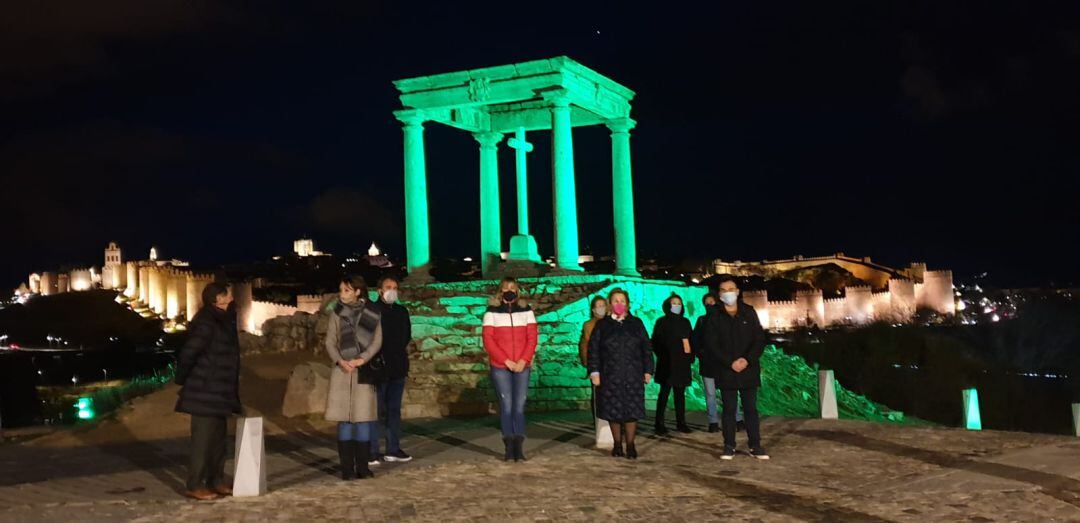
[820, 471]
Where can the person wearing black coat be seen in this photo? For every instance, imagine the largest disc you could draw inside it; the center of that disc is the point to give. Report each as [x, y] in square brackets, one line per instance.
[620, 364]
[706, 367]
[734, 340]
[208, 372]
[671, 343]
[397, 333]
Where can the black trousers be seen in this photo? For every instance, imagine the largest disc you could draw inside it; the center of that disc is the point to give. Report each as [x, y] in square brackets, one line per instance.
[730, 399]
[206, 469]
[680, 404]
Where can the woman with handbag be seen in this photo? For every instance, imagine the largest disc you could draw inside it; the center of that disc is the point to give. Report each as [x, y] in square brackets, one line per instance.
[353, 340]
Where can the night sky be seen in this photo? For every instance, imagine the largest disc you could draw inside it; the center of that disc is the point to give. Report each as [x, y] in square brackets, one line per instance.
[222, 131]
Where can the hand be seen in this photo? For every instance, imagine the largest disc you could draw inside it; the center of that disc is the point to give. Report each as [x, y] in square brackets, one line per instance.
[595, 380]
[686, 349]
[345, 366]
[648, 377]
[357, 362]
[521, 365]
[740, 365]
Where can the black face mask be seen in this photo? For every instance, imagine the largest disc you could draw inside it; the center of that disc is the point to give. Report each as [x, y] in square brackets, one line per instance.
[509, 296]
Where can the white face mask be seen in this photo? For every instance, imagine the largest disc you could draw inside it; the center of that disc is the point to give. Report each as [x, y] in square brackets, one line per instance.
[676, 309]
[390, 296]
[599, 312]
[729, 298]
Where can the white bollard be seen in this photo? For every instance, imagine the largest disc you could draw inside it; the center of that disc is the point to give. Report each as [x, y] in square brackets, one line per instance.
[1076, 419]
[250, 476]
[827, 395]
[604, 439]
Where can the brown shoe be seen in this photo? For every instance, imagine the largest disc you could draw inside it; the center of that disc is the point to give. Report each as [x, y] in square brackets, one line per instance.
[202, 494]
[223, 489]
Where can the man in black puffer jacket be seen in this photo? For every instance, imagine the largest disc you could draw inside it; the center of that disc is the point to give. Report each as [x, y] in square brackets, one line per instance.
[208, 371]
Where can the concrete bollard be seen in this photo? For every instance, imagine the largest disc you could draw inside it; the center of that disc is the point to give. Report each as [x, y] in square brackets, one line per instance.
[1076, 419]
[250, 476]
[604, 439]
[827, 395]
[972, 417]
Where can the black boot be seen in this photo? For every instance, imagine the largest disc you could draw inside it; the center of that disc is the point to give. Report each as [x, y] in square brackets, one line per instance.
[631, 451]
[509, 442]
[347, 456]
[363, 456]
[519, 448]
[617, 450]
[660, 429]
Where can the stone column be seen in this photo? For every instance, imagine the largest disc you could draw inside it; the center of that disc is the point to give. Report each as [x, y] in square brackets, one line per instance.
[565, 193]
[490, 223]
[622, 191]
[417, 238]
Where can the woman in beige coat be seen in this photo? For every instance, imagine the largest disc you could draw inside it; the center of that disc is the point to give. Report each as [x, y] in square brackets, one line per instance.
[353, 338]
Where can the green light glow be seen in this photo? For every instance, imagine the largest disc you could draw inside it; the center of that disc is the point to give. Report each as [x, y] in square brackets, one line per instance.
[85, 408]
[972, 418]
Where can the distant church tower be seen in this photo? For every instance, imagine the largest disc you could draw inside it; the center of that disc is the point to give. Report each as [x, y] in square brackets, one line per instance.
[113, 273]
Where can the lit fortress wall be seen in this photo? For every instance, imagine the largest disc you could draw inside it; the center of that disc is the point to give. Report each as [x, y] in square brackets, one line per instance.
[892, 296]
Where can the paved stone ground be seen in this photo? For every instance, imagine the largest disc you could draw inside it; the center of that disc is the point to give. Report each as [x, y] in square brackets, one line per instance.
[820, 471]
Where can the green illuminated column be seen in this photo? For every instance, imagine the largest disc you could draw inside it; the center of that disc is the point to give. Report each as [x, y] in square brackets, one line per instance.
[622, 191]
[562, 159]
[490, 234]
[416, 209]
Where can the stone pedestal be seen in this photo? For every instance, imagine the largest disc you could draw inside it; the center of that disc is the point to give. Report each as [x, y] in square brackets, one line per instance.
[250, 476]
[827, 395]
[523, 248]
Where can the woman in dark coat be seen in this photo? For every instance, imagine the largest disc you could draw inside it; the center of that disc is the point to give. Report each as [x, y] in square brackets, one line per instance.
[671, 343]
[208, 371]
[620, 364]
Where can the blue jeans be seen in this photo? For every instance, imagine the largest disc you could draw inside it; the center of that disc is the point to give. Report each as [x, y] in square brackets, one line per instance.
[512, 388]
[354, 431]
[390, 394]
[709, 386]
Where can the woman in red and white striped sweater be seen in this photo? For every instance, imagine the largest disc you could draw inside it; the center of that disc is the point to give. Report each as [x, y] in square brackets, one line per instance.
[510, 341]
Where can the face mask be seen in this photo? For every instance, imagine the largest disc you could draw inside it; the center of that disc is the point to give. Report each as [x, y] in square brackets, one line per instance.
[390, 296]
[729, 298]
[676, 309]
[619, 309]
[509, 296]
[599, 312]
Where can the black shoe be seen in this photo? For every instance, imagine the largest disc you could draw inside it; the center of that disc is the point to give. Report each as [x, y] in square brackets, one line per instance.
[617, 451]
[363, 457]
[399, 456]
[729, 453]
[759, 453]
[714, 427]
[631, 451]
[684, 428]
[509, 454]
[740, 426]
[347, 456]
[519, 448]
[661, 431]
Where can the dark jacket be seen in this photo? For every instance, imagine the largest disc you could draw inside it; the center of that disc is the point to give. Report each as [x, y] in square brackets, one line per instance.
[726, 338]
[706, 366]
[396, 335]
[672, 362]
[208, 367]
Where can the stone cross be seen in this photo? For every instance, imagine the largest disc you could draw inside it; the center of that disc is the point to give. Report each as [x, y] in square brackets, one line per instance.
[521, 148]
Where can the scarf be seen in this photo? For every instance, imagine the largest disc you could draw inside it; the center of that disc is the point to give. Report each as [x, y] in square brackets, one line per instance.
[358, 323]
